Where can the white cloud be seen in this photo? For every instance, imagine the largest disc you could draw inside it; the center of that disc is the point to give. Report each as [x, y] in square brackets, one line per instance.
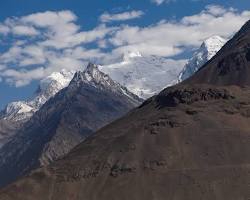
[170, 38]
[59, 44]
[2, 67]
[106, 17]
[4, 29]
[24, 30]
[21, 78]
[59, 40]
[49, 18]
[159, 2]
[13, 55]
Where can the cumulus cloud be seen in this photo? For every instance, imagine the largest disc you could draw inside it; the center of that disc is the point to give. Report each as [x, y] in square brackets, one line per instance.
[159, 2]
[57, 42]
[22, 78]
[106, 17]
[4, 29]
[42, 43]
[24, 30]
[168, 38]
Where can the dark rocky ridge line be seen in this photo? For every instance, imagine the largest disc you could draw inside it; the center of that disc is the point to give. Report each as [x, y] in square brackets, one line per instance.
[173, 96]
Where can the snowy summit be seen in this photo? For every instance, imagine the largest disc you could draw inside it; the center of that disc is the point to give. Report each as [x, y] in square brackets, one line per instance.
[207, 50]
[48, 87]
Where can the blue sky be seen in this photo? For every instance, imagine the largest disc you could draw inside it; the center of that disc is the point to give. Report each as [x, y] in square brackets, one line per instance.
[101, 31]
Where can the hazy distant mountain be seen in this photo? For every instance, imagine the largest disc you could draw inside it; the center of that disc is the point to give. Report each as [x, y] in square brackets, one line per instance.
[91, 101]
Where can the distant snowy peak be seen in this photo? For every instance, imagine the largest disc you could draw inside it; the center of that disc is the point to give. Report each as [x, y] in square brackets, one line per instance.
[49, 86]
[57, 80]
[145, 76]
[18, 111]
[212, 45]
[207, 50]
[94, 77]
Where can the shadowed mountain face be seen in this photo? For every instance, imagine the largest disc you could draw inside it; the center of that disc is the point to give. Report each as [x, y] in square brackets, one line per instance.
[91, 101]
[190, 142]
[231, 65]
[7, 129]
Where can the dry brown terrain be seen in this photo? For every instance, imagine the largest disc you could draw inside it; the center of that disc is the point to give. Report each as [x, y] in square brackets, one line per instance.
[186, 143]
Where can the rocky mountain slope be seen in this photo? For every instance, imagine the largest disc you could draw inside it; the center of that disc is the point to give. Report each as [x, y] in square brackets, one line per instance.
[207, 50]
[7, 130]
[189, 142]
[90, 101]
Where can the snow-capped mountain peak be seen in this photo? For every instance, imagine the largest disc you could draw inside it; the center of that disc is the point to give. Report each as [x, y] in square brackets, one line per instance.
[212, 45]
[144, 75]
[18, 111]
[207, 50]
[48, 87]
[61, 79]
[92, 76]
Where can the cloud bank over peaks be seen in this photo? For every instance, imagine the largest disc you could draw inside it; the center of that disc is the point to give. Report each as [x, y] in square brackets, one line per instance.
[46, 42]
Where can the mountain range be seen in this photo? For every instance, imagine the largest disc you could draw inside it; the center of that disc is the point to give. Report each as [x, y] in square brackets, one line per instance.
[145, 76]
[90, 101]
[191, 141]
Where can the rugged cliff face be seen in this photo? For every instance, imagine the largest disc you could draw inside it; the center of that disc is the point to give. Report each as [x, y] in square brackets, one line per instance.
[90, 101]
